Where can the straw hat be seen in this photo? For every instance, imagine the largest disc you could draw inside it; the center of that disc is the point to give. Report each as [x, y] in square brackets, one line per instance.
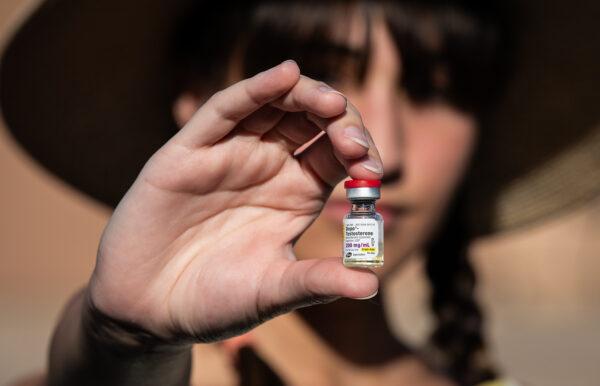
[83, 88]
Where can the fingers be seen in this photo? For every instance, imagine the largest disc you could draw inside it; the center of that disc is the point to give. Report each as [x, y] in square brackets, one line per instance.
[306, 95]
[293, 131]
[313, 96]
[350, 138]
[348, 149]
[246, 104]
[263, 120]
[368, 166]
[225, 109]
[257, 105]
[322, 161]
[307, 280]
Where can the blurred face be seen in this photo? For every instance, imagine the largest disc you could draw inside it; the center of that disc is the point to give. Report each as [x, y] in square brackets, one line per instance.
[424, 149]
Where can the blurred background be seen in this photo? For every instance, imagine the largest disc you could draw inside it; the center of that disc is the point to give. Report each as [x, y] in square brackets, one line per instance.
[539, 285]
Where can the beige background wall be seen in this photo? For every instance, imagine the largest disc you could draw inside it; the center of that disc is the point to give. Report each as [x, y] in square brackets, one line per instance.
[48, 237]
[540, 285]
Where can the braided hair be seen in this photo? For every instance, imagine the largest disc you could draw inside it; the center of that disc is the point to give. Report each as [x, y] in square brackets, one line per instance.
[457, 344]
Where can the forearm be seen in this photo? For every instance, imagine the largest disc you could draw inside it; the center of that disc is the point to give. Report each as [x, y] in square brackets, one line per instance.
[86, 350]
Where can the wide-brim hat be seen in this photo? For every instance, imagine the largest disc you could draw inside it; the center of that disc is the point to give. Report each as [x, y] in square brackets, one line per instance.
[86, 88]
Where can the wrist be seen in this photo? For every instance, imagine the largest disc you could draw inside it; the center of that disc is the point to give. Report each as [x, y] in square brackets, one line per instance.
[90, 348]
[123, 337]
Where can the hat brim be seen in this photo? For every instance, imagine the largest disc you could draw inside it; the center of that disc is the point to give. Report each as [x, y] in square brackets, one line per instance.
[540, 149]
[86, 88]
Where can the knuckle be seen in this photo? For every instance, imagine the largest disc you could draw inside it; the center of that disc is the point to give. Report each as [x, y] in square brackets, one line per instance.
[254, 96]
[215, 102]
[215, 98]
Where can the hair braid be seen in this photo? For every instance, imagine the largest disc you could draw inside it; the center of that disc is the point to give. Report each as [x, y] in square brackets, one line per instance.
[457, 344]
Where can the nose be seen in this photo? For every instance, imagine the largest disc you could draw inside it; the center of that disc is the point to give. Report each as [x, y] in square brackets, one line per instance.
[379, 109]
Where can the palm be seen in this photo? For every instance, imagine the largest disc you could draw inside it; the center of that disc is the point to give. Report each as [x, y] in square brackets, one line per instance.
[202, 243]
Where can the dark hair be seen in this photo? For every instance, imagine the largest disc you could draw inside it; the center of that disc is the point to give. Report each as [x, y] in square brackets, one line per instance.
[451, 51]
[457, 344]
[454, 51]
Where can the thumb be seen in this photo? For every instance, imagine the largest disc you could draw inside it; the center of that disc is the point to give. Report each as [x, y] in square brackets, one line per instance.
[307, 282]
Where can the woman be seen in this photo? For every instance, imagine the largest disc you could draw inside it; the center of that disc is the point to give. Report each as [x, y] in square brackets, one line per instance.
[203, 245]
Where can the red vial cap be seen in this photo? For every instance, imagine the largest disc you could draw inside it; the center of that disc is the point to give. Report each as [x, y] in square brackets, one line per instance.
[350, 184]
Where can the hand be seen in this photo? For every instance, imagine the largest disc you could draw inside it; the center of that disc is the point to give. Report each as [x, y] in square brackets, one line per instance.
[200, 247]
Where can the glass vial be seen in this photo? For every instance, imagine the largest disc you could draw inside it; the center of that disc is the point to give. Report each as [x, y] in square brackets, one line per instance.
[363, 227]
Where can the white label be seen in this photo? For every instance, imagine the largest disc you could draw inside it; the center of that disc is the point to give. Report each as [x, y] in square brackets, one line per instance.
[361, 238]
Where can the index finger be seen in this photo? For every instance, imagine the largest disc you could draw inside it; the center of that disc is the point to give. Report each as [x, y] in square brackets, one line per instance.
[225, 109]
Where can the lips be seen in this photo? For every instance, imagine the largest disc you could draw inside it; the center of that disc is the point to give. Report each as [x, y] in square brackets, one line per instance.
[336, 209]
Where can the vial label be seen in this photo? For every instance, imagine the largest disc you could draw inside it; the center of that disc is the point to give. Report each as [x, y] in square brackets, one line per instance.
[361, 238]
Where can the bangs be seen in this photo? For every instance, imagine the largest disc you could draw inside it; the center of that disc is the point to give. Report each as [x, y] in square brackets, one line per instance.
[451, 52]
[313, 33]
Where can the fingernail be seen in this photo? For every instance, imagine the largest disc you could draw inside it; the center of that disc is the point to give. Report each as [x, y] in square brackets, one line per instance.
[373, 166]
[356, 135]
[368, 297]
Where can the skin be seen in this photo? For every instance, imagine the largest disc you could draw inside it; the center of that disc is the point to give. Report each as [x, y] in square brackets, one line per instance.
[208, 252]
